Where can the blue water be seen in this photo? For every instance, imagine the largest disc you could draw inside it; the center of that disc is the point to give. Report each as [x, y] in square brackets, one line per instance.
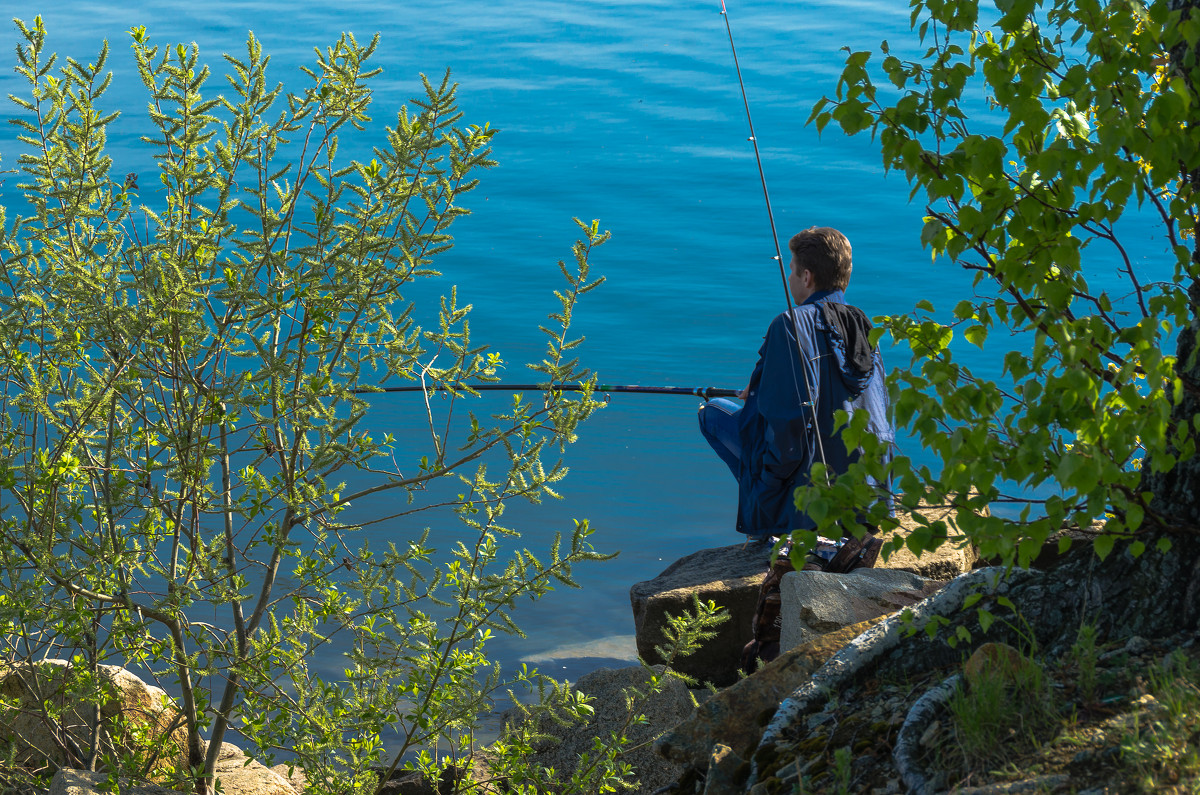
[628, 112]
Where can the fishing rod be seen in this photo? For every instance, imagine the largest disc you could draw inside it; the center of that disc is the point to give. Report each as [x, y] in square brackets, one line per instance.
[706, 392]
[787, 295]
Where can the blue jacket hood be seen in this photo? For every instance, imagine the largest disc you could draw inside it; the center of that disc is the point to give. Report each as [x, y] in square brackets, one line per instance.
[849, 333]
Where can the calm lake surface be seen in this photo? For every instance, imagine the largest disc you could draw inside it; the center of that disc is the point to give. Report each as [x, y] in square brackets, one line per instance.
[628, 112]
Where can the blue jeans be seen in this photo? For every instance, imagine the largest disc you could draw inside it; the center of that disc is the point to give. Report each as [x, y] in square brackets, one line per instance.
[719, 424]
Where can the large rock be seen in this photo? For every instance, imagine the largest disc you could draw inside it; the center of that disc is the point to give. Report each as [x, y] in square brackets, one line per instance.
[41, 704]
[238, 774]
[736, 716]
[814, 602]
[608, 687]
[729, 576]
[293, 775]
[68, 781]
[955, 556]
[40, 701]
[726, 772]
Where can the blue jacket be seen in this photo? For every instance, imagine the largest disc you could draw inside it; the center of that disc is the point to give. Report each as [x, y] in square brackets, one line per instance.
[779, 441]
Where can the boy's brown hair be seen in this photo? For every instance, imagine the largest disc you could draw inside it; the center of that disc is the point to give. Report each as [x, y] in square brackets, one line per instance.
[826, 252]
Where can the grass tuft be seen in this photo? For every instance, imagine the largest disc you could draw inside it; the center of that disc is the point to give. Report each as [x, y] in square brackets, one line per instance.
[1162, 750]
[1008, 709]
[1085, 656]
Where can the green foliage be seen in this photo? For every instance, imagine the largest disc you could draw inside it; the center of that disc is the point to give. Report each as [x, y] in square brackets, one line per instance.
[843, 771]
[1086, 118]
[602, 769]
[1009, 709]
[1085, 655]
[1163, 753]
[184, 356]
[685, 633]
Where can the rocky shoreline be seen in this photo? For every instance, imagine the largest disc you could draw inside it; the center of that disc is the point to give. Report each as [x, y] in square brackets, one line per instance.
[837, 711]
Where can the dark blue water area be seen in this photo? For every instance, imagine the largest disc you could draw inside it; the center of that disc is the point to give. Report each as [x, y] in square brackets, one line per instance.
[628, 112]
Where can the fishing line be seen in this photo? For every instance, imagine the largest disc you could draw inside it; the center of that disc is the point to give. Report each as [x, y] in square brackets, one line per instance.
[787, 295]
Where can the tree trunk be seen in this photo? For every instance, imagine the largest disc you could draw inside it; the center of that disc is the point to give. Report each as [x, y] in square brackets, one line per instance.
[1154, 595]
[1176, 492]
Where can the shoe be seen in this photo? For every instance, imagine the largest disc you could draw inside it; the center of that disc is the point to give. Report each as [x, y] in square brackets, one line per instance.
[870, 553]
[855, 554]
[846, 557]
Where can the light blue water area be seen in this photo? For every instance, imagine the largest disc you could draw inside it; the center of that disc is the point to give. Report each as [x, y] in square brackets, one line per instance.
[628, 112]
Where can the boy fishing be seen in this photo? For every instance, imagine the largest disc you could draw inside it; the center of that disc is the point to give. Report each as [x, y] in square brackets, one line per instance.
[816, 358]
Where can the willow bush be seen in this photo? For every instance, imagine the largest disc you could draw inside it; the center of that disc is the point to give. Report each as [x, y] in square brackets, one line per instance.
[185, 358]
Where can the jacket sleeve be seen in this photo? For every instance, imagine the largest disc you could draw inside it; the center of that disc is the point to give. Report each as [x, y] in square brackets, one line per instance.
[783, 396]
